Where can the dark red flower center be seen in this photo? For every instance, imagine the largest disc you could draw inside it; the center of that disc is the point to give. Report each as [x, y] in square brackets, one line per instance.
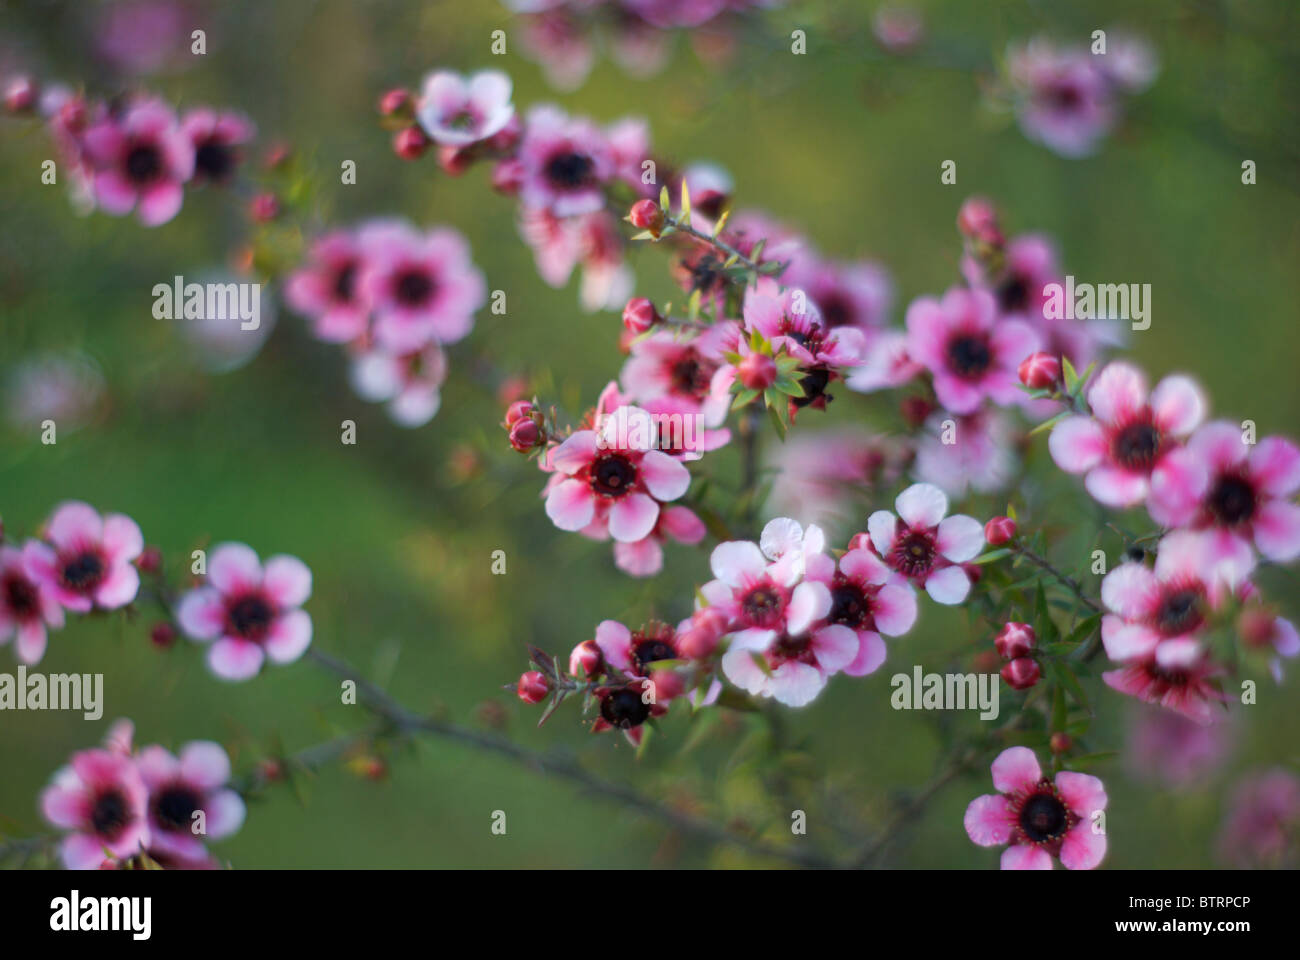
[850, 606]
[1232, 500]
[814, 384]
[1043, 817]
[1013, 293]
[82, 572]
[704, 273]
[763, 606]
[1180, 612]
[787, 649]
[345, 282]
[412, 288]
[914, 554]
[1065, 96]
[250, 617]
[143, 163]
[1137, 445]
[214, 160]
[969, 355]
[837, 310]
[174, 807]
[648, 651]
[689, 376]
[21, 597]
[570, 171]
[624, 708]
[613, 475]
[110, 813]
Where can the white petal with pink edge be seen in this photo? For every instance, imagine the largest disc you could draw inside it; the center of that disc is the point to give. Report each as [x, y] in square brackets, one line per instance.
[289, 637]
[1118, 392]
[894, 609]
[810, 601]
[570, 505]
[632, 517]
[233, 567]
[287, 580]
[922, 505]
[1131, 590]
[882, 526]
[1178, 404]
[960, 538]
[1077, 444]
[233, 659]
[736, 561]
[663, 476]
[948, 586]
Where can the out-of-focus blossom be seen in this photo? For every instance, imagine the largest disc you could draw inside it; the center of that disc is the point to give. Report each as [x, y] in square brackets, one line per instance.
[1262, 824]
[67, 388]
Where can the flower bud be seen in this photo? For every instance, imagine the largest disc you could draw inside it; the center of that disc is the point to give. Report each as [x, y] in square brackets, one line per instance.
[525, 435]
[518, 411]
[454, 160]
[20, 94]
[646, 215]
[1060, 742]
[264, 208]
[1015, 640]
[978, 220]
[1039, 371]
[757, 371]
[999, 530]
[915, 410]
[410, 143]
[860, 541]
[162, 635]
[586, 660]
[150, 560]
[700, 638]
[640, 315]
[507, 177]
[1257, 626]
[1021, 673]
[399, 98]
[533, 687]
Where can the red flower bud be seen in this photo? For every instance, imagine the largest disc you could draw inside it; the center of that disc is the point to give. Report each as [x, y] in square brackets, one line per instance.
[1060, 742]
[533, 687]
[915, 409]
[517, 411]
[150, 560]
[640, 315]
[162, 635]
[410, 143]
[20, 95]
[999, 530]
[646, 215]
[1015, 640]
[507, 176]
[454, 160]
[977, 218]
[1257, 626]
[264, 208]
[1038, 371]
[1021, 673]
[701, 637]
[394, 100]
[525, 435]
[586, 660]
[757, 371]
[860, 541]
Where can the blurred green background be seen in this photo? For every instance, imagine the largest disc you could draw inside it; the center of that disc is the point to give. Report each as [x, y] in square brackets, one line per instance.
[844, 143]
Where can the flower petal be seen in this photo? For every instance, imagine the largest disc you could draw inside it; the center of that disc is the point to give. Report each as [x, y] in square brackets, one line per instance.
[1015, 769]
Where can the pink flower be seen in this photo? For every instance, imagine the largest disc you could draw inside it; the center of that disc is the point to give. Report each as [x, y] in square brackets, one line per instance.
[141, 156]
[27, 607]
[87, 561]
[866, 598]
[631, 481]
[969, 352]
[645, 557]
[251, 610]
[855, 294]
[790, 320]
[101, 799]
[925, 545]
[1239, 494]
[457, 111]
[409, 383]
[633, 653]
[1067, 101]
[1168, 748]
[980, 455]
[1260, 827]
[566, 163]
[216, 139]
[667, 364]
[326, 288]
[1037, 817]
[1187, 687]
[180, 788]
[1129, 435]
[422, 286]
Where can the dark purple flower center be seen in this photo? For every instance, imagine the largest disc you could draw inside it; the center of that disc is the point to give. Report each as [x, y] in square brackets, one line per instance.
[613, 475]
[1013, 294]
[850, 606]
[1136, 446]
[1180, 612]
[143, 163]
[624, 708]
[413, 288]
[214, 160]
[649, 651]
[969, 355]
[689, 377]
[836, 310]
[570, 171]
[345, 282]
[110, 813]
[1065, 96]
[914, 554]
[83, 572]
[250, 617]
[20, 596]
[174, 807]
[705, 273]
[787, 648]
[763, 606]
[814, 384]
[1232, 500]
[1043, 818]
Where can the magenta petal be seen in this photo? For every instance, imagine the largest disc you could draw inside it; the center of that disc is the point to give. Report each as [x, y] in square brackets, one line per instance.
[289, 637]
[1025, 857]
[1015, 769]
[75, 524]
[1077, 444]
[1277, 531]
[234, 567]
[1083, 849]
[988, 820]
[201, 613]
[119, 588]
[160, 203]
[287, 580]
[632, 517]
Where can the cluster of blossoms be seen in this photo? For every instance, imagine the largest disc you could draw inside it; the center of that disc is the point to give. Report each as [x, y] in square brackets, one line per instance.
[393, 296]
[1069, 98]
[125, 808]
[563, 35]
[82, 562]
[136, 153]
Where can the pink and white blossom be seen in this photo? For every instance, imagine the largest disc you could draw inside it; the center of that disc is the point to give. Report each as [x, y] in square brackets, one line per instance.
[87, 560]
[457, 111]
[100, 799]
[140, 160]
[925, 545]
[28, 609]
[179, 788]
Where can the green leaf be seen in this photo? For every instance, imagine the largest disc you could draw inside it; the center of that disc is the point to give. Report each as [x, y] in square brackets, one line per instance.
[777, 421]
[1071, 378]
[789, 386]
[686, 203]
[991, 556]
[744, 398]
[1049, 423]
[664, 201]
